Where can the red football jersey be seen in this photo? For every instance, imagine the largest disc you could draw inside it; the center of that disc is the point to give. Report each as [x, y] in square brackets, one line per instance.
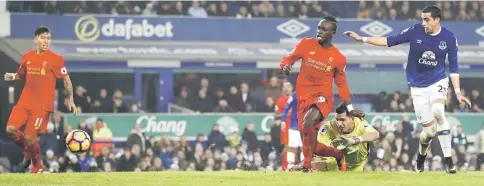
[280, 104]
[40, 72]
[319, 66]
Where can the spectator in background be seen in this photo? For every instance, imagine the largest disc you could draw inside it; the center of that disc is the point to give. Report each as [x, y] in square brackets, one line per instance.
[269, 106]
[479, 145]
[223, 107]
[303, 11]
[136, 137]
[121, 8]
[280, 11]
[183, 100]
[250, 138]
[149, 10]
[224, 10]
[273, 88]
[117, 105]
[101, 134]
[216, 138]
[234, 99]
[219, 95]
[364, 12]
[203, 103]
[234, 139]
[99, 8]
[127, 162]
[243, 13]
[380, 102]
[178, 9]
[104, 100]
[212, 9]
[81, 99]
[459, 138]
[51, 7]
[197, 11]
[81, 7]
[48, 141]
[247, 102]
[266, 148]
[134, 108]
[266, 8]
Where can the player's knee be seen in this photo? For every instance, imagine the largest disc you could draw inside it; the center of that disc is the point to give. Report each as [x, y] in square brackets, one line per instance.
[438, 109]
[430, 130]
[424, 138]
[11, 130]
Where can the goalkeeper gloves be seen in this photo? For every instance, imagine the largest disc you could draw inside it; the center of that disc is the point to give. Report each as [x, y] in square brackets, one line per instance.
[346, 143]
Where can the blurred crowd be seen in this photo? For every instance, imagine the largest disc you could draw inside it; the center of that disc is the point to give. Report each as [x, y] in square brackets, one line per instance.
[381, 10]
[241, 150]
[398, 102]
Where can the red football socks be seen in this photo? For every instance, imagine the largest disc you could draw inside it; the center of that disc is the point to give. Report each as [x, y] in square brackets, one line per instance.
[34, 150]
[284, 162]
[327, 151]
[323, 150]
[309, 141]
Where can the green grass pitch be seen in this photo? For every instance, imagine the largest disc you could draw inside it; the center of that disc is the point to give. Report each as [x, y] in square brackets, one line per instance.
[233, 178]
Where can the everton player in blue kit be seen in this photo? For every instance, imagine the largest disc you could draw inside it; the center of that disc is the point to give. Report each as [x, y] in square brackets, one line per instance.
[430, 43]
[294, 136]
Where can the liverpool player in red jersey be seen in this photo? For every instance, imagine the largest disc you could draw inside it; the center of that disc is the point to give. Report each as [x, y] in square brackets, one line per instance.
[280, 104]
[321, 63]
[40, 68]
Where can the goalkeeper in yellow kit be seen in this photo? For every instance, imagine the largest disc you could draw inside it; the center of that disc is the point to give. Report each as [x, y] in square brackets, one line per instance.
[350, 135]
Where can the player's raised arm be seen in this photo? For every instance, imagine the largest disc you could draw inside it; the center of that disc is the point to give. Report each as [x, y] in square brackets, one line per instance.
[342, 84]
[396, 39]
[289, 60]
[454, 70]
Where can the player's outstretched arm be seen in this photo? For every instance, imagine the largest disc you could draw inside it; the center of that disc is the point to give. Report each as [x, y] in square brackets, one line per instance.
[377, 41]
[70, 93]
[288, 61]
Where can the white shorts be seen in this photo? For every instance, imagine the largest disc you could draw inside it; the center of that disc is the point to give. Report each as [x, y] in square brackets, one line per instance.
[294, 138]
[424, 96]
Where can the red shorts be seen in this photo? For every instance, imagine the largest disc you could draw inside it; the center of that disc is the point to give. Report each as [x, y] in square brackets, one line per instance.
[285, 135]
[324, 105]
[35, 120]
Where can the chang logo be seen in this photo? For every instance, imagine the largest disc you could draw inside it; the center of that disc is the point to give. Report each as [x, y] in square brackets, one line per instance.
[428, 58]
[87, 28]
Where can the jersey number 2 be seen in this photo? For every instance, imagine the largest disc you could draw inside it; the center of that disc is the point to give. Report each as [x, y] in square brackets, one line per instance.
[442, 89]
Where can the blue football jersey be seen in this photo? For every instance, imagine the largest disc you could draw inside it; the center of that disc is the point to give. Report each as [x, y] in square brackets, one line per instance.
[292, 106]
[427, 54]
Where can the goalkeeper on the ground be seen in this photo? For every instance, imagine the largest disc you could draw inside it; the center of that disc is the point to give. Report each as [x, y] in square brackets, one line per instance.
[350, 135]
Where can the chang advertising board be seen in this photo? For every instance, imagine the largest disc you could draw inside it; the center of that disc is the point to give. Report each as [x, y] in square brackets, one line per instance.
[91, 28]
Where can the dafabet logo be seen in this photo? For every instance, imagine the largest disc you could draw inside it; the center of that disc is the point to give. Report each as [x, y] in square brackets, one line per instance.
[89, 28]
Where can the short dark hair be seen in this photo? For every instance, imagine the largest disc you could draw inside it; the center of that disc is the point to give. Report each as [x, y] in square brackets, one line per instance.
[341, 108]
[332, 19]
[434, 11]
[41, 30]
